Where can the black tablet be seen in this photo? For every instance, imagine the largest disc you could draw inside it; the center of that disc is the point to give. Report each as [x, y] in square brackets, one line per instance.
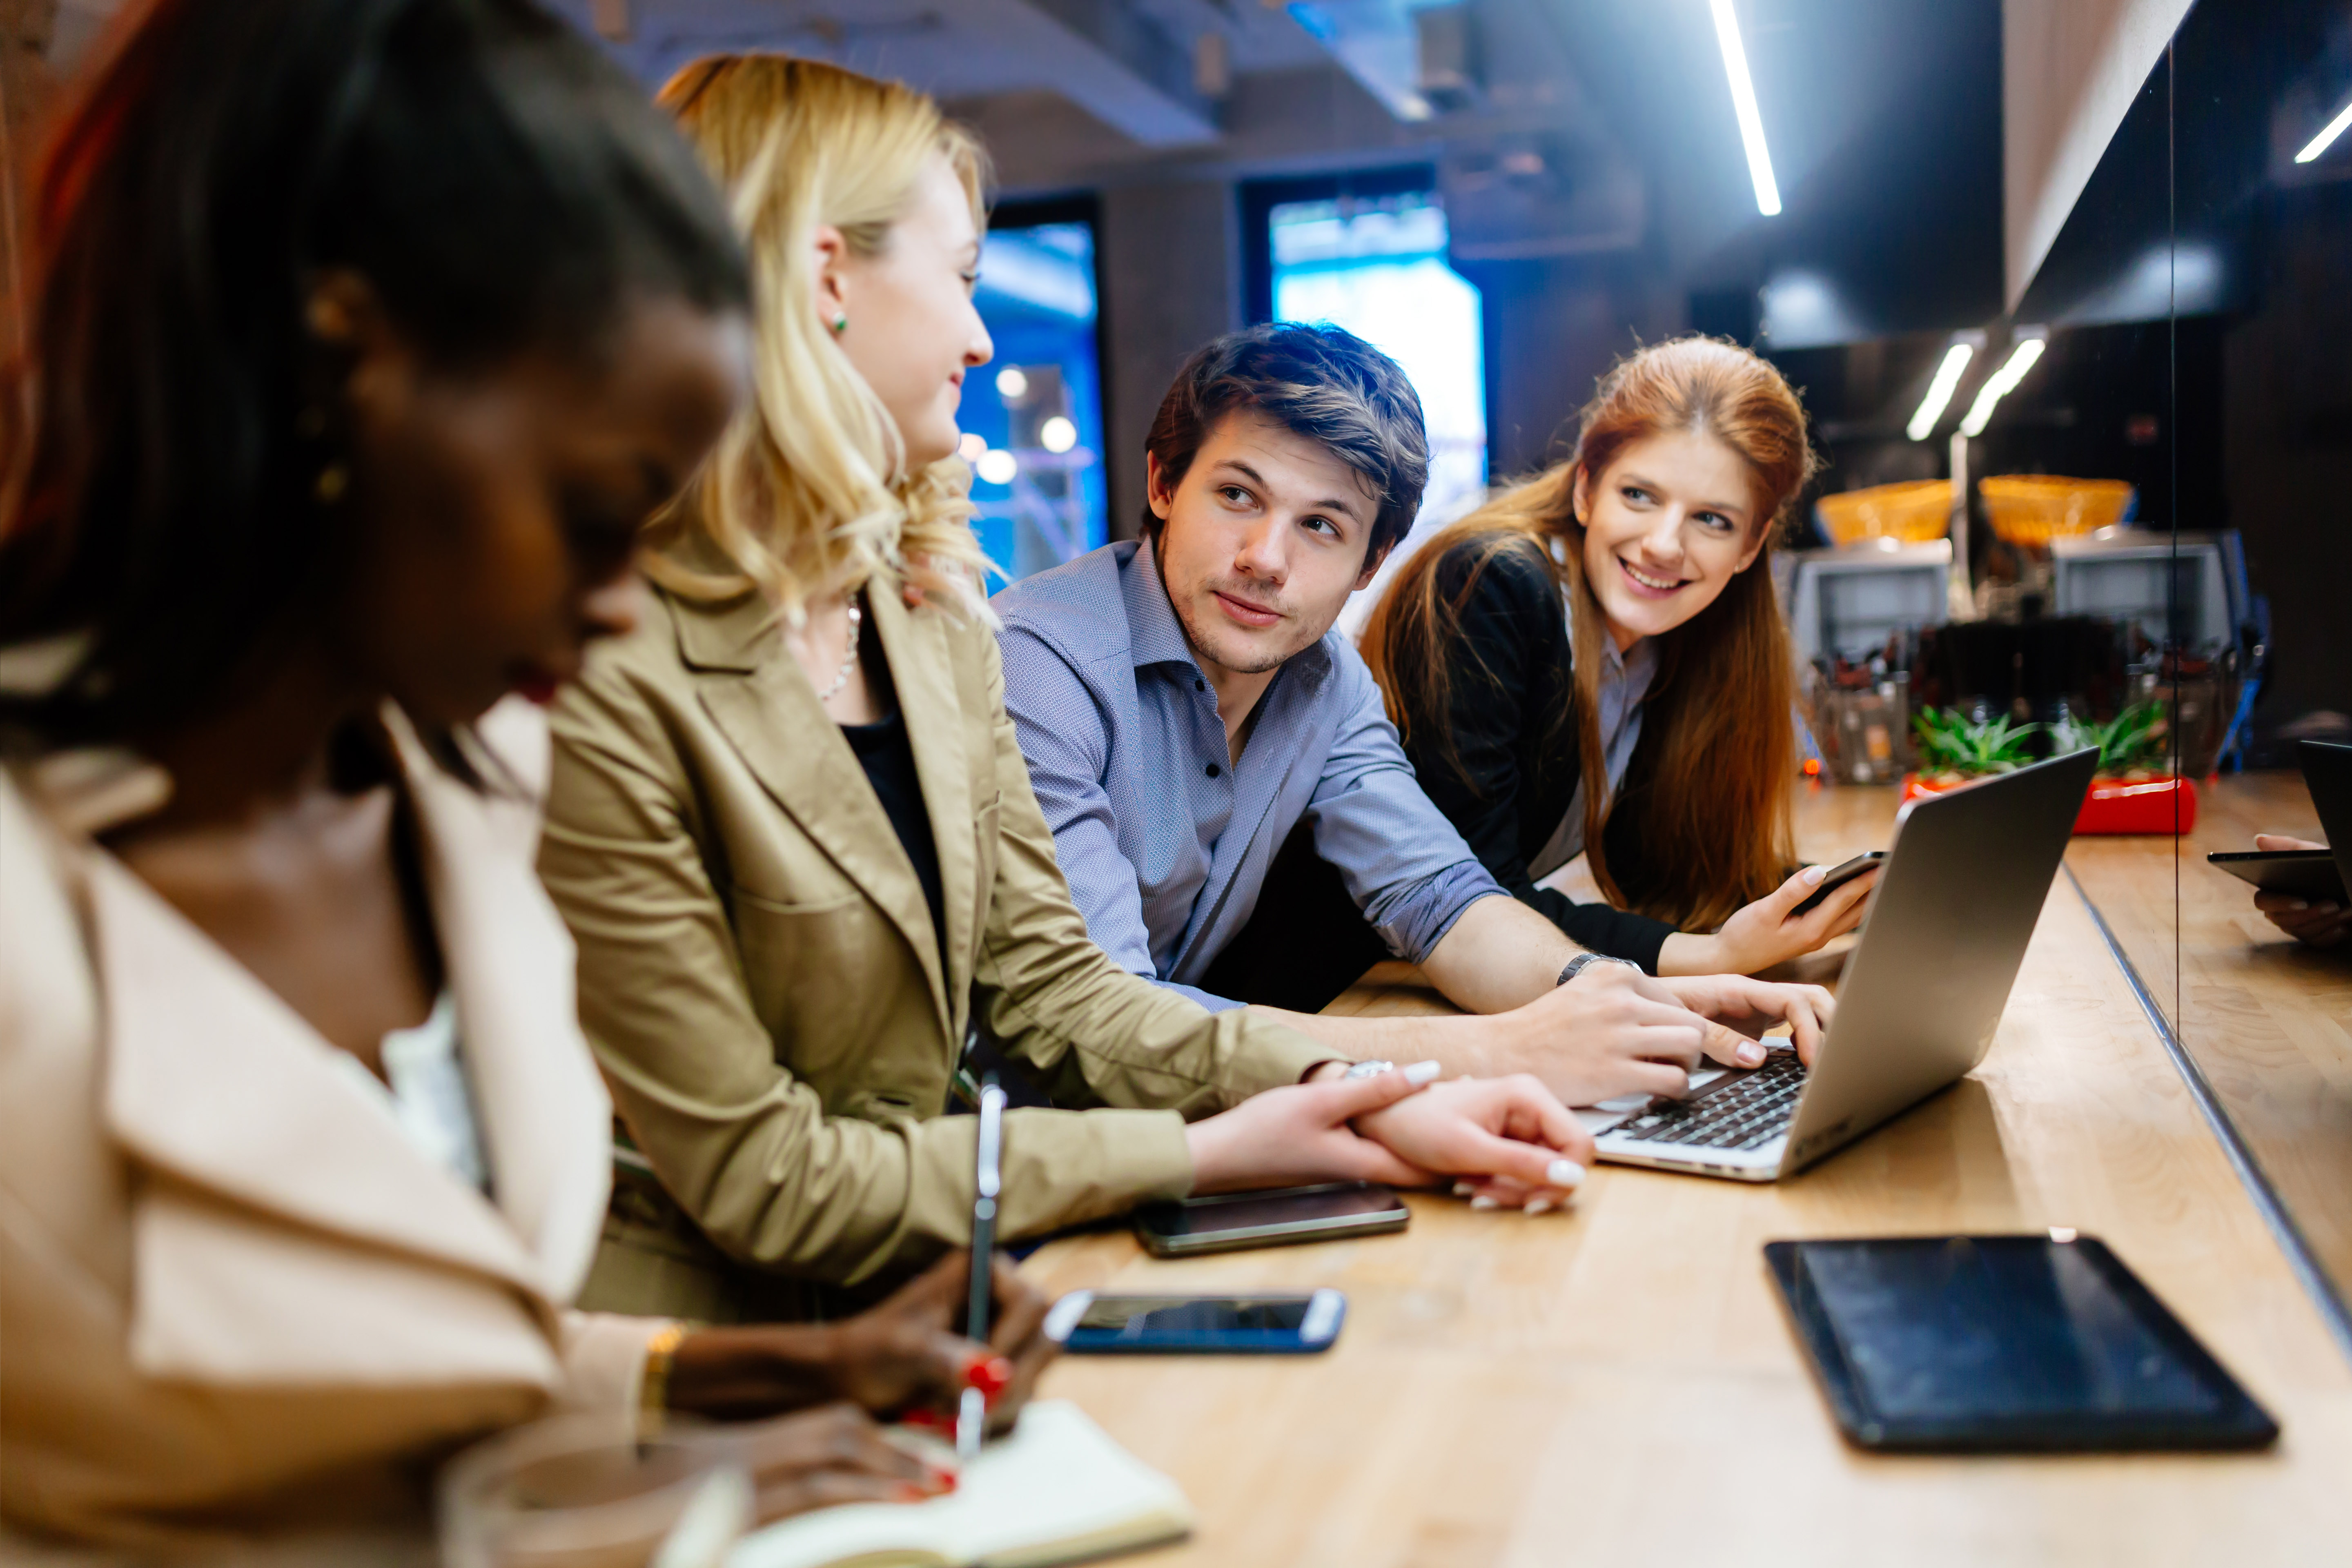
[2298, 873]
[2004, 1345]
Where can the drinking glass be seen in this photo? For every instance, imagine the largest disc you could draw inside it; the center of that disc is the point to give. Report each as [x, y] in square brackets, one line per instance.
[571, 1492]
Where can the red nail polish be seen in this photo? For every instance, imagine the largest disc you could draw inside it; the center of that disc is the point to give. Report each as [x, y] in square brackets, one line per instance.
[989, 1374]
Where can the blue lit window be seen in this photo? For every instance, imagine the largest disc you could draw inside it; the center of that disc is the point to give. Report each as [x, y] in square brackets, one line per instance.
[1377, 267]
[1031, 417]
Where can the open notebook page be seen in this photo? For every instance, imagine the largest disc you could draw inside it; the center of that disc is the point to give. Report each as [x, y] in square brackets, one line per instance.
[1057, 1490]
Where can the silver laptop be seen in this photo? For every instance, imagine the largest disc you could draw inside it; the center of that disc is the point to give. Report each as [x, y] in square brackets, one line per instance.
[1930, 972]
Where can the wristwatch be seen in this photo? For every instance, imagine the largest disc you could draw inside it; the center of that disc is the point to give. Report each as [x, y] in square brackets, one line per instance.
[1584, 961]
[1368, 1070]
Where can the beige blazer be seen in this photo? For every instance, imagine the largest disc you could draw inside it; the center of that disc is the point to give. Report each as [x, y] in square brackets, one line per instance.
[232, 1296]
[759, 975]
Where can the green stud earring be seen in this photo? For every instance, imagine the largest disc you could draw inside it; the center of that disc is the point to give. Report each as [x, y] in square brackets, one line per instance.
[840, 324]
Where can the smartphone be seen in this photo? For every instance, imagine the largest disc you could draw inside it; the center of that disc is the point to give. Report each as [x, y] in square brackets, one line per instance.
[2308, 874]
[1838, 878]
[1286, 1324]
[1232, 1221]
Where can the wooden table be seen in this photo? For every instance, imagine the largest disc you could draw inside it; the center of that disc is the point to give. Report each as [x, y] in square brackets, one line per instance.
[1615, 1382]
[2267, 1021]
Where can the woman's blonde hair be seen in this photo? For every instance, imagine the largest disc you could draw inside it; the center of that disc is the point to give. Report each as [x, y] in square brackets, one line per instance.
[808, 491]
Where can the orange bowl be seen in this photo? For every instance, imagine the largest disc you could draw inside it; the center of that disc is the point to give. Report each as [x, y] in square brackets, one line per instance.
[2034, 509]
[1913, 512]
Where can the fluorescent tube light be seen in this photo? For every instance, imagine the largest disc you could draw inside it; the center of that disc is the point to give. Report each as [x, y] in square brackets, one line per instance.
[2320, 142]
[1939, 392]
[1999, 385]
[1743, 104]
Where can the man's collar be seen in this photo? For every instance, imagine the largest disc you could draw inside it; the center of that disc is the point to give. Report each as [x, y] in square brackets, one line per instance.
[1156, 636]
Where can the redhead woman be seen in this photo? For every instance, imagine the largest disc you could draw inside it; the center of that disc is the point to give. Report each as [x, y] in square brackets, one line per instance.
[792, 833]
[371, 331]
[1594, 662]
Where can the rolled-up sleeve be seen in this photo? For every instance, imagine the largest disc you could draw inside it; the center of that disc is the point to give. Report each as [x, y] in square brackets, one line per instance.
[1401, 860]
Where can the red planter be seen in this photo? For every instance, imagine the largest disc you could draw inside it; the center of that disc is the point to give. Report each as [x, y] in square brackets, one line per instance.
[2113, 805]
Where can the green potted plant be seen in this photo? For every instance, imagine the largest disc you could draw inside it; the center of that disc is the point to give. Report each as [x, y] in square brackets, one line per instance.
[2131, 793]
[2134, 791]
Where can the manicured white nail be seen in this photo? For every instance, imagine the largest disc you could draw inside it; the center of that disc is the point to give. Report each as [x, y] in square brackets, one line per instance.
[1463, 1189]
[1483, 1202]
[1541, 1205]
[1564, 1173]
[1422, 1072]
[1813, 875]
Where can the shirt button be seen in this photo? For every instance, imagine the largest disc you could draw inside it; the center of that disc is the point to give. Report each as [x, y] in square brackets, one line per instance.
[1214, 769]
[1198, 685]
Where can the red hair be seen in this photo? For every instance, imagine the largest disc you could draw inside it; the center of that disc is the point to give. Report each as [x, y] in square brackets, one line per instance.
[1720, 718]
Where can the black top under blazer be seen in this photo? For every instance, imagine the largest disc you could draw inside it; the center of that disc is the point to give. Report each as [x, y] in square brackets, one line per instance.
[1512, 772]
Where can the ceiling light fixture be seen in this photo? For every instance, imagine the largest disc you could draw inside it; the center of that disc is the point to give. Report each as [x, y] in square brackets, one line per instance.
[2001, 383]
[1743, 104]
[1939, 392]
[2321, 143]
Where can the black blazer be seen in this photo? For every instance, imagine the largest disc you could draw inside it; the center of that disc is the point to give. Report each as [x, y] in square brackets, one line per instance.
[1512, 770]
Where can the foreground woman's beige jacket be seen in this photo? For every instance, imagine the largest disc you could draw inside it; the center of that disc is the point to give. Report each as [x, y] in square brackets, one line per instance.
[759, 975]
[233, 1295]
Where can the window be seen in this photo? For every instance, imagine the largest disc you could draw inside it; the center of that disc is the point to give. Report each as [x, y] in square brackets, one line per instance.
[1377, 266]
[1032, 417]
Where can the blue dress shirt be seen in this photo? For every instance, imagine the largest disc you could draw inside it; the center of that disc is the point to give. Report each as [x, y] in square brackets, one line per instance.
[1165, 843]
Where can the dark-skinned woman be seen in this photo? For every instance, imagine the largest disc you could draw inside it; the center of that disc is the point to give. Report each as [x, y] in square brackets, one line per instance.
[372, 329]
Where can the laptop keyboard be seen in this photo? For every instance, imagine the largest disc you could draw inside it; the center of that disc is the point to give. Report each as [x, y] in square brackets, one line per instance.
[1747, 1112]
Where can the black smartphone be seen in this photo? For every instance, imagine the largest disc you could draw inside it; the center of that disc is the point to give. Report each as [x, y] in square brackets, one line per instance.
[2308, 874]
[2004, 1345]
[1838, 877]
[1296, 1323]
[1230, 1221]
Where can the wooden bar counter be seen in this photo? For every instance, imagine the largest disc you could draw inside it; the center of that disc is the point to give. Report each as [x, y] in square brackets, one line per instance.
[1616, 1384]
[2267, 1020]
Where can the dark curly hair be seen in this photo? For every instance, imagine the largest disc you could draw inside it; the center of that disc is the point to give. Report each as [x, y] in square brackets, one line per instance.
[500, 185]
[1318, 382]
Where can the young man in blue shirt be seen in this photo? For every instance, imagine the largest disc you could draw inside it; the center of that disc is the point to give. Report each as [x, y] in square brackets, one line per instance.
[1184, 704]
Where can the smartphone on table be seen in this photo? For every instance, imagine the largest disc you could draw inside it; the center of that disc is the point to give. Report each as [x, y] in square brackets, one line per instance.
[1230, 1221]
[1275, 1323]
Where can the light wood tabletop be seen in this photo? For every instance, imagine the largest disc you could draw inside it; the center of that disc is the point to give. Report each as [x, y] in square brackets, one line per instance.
[2267, 1019]
[1616, 1384]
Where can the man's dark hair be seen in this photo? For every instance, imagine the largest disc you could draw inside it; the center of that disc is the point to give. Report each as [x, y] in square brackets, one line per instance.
[499, 184]
[1315, 381]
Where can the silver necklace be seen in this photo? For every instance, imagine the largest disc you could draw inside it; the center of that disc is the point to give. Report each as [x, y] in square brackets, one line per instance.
[848, 657]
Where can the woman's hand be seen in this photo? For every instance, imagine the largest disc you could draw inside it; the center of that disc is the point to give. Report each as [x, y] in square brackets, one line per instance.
[2321, 924]
[1509, 1138]
[1299, 1134]
[1767, 932]
[899, 1358]
[1746, 1008]
[822, 1458]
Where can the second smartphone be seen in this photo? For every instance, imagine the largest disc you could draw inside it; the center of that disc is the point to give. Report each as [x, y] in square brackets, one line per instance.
[1230, 1221]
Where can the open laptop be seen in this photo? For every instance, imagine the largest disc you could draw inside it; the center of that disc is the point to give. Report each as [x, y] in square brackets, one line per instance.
[1930, 972]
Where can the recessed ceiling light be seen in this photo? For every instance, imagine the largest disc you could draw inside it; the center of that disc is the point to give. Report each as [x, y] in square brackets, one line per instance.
[1939, 392]
[1743, 104]
[2321, 143]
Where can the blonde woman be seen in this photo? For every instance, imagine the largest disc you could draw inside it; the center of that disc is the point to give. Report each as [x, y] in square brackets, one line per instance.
[792, 831]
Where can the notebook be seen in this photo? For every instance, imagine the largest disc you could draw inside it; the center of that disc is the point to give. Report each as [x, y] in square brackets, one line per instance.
[1057, 1490]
